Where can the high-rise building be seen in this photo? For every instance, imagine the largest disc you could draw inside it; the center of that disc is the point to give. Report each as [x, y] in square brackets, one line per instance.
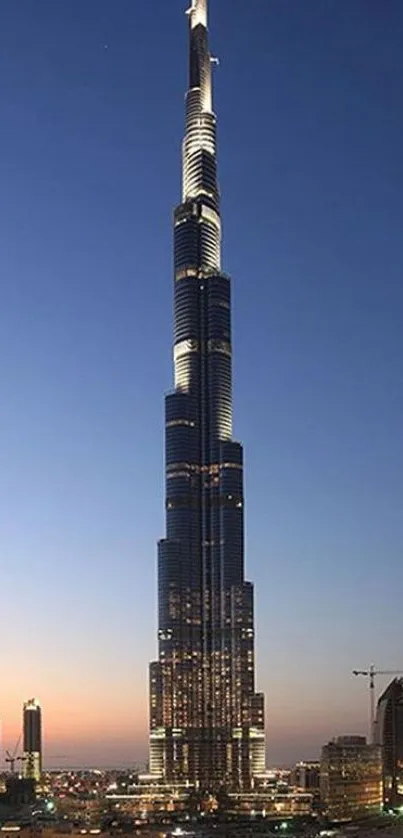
[32, 736]
[389, 735]
[350, 779]
[206, 719]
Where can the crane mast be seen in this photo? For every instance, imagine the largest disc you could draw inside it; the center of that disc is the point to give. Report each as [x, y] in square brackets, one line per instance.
[371, 674]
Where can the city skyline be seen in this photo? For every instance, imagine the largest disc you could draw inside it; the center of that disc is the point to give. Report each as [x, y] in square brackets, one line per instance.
[318, 302]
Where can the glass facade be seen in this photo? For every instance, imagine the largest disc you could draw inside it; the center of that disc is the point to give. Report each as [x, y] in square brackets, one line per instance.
[350, 779]
[206, 720]
[389, 735]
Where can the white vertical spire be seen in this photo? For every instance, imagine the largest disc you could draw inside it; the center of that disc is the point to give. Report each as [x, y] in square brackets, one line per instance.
[198, 12]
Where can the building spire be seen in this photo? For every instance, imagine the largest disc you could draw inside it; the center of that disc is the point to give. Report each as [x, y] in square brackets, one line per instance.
[198, 13]
[199, 146]
[200, 57]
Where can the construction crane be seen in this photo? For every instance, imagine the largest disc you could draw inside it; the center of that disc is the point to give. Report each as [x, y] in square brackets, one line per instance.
[12, 758]
[371, 673]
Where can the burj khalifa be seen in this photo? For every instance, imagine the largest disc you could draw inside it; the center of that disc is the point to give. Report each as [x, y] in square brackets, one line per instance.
[206, 718]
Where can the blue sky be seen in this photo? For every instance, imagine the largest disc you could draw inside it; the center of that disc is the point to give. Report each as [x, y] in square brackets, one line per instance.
[310, 130]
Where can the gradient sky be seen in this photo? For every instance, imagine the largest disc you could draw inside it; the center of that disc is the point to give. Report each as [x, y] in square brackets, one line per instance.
[309, 97]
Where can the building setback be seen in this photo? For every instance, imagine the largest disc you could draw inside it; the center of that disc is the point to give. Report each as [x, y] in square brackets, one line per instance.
[206, 719]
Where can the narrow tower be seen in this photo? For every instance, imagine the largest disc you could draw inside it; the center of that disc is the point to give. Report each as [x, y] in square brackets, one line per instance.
[206, 720]
[32, 731]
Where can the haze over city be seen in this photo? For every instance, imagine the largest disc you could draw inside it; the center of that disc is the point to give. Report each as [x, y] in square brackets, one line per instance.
[309, 99]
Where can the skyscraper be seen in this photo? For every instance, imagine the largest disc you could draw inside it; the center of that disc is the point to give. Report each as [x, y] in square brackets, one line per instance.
[206, 720]
[389, 734]
[32, 734]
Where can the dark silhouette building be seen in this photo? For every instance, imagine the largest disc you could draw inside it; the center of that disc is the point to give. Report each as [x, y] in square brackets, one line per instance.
[306, 776]
[20, 791]
[206, 719]
[16, 802]
[389, 735]
[32, 735]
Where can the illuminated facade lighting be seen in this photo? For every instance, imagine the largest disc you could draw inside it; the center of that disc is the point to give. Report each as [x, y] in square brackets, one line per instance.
[389, 734]
[206, 719]
[350, 779]
[32, 734]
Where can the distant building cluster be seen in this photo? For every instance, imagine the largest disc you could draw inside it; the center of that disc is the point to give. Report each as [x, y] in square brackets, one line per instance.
[353, 780]
[357, 778]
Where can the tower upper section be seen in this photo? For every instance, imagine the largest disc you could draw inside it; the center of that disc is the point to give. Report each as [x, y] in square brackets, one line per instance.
[198, 13]
[200, 192]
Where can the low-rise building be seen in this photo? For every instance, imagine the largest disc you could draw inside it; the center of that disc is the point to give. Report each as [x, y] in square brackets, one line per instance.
[350, 779]
[306, 776]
